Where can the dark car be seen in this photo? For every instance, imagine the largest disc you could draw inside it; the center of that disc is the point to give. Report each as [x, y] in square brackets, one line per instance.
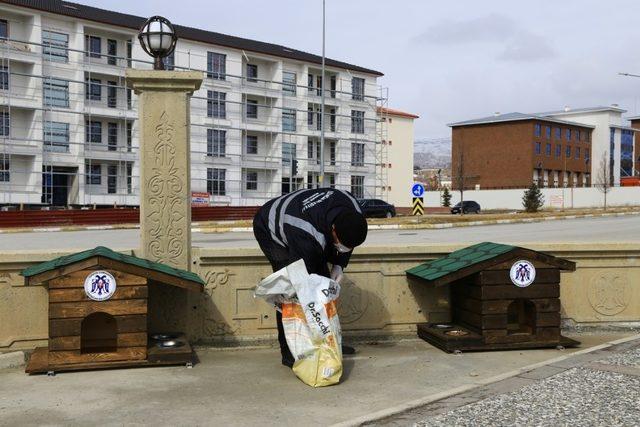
[377, 208]
[468, 206]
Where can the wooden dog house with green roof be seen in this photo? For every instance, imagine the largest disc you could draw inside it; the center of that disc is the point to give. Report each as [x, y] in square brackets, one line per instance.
[502, 297]
[98, 312]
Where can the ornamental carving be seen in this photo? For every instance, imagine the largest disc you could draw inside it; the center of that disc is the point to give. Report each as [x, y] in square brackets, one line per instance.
[166, 199]
[215, 278]
[353, 302]
[609, 293]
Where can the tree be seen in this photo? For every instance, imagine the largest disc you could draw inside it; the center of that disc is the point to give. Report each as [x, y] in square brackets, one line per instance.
[446, 198]
[533, 198]
[604, 180]
[459, 176]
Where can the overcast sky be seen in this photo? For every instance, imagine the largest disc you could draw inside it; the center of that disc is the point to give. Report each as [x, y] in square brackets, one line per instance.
[448, 60]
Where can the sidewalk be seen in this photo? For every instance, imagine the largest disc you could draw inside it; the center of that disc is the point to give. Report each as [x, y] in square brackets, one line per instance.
[248, 387]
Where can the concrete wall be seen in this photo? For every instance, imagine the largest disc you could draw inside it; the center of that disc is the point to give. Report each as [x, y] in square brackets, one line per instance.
[376, 299]
[590, 197]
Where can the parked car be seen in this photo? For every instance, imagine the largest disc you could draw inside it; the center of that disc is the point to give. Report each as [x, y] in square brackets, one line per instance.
[468, 206]
[377, 208]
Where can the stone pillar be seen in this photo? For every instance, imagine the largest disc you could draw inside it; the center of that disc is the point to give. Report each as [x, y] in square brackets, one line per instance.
[165, 184]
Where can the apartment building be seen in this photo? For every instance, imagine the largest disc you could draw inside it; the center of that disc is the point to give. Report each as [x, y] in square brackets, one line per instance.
[398, 161]
[69, 125]
[512, 150]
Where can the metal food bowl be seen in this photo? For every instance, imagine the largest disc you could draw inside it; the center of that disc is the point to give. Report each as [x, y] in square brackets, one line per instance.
[457, 333]
[164, 336]
[170, 344]
[442, 326]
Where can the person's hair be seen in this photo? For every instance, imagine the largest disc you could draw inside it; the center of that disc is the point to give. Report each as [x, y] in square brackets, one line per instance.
[351, 229]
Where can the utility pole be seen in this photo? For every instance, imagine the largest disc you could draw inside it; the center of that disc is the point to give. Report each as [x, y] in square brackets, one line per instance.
[322, 80]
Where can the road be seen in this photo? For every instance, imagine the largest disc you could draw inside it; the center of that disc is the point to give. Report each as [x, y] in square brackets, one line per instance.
[608, 229]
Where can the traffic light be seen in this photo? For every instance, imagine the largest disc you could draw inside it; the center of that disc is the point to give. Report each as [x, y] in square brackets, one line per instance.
[294, 167]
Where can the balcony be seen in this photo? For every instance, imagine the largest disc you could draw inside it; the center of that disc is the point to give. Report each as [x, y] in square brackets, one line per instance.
[104, 152]
[254, 161]
[19, 147]
[18, 51]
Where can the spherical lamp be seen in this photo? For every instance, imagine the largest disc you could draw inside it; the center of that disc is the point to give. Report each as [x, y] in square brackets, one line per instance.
[158, 38]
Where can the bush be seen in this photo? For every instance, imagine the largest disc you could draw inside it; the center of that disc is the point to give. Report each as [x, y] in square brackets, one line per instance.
[533, 199]
[446, 198]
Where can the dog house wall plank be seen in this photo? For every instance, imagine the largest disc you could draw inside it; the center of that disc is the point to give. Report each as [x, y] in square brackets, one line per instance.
[76, 279]
[502, 277]
[79, 294]
[129, 339]
[501, 292]
[71, 327]
[543, 305]
[81, 309]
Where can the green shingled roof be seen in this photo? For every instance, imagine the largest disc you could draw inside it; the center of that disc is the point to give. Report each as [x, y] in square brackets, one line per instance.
[115, 256]
[459, 260]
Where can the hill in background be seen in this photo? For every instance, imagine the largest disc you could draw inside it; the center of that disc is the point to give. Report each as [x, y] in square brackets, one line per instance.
[432, 153]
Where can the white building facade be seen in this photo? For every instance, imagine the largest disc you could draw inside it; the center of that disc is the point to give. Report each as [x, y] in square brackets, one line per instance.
[69, 130]
[611, 139]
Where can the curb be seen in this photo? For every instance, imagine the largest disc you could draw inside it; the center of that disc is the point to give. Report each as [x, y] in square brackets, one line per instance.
[197, 228]
[398, 409]
[15, 359]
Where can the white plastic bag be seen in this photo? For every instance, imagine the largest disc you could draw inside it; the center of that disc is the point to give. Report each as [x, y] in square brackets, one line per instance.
[310, 321]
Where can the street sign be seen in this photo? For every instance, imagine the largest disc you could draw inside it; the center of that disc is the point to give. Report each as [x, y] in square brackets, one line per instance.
[417, 190]
[418, 206]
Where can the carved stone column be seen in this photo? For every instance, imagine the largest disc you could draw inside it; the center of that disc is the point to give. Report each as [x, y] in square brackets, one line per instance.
[165, 183]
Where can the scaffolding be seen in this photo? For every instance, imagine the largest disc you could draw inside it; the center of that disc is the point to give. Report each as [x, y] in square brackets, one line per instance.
[73, 131]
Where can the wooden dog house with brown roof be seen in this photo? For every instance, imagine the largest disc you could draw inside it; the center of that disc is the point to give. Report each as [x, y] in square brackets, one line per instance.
[98, 312]
[502, 297]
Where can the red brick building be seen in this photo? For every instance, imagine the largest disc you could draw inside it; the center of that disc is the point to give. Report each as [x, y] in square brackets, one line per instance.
[635, 123]
[512, 150]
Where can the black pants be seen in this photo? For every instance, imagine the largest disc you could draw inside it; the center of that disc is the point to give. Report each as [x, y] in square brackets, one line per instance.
[278, 258]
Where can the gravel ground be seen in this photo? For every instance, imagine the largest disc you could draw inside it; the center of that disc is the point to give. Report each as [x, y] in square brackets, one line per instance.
[626, 358]
[576, 397]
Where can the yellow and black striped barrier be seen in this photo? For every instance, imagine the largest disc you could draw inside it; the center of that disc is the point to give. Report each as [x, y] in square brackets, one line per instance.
[418, 206]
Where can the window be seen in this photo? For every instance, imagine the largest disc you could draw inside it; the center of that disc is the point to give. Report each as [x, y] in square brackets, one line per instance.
[568, 134]
[129, 99]
[252, 109]
[92, 46]
[5, 168]
[4, 77]
[112, 179]
[129, 52]
[252, 144]
[538, 147]
[331, 177]
[252, 73]
[587, 135]
[537, 130]
[55, 46]
[129, 136]
[56, 136]
[357, 88]
[310, 82]
[216, 65]
[357, 186]
[568, 151]
[332, 153]
[129, 178]
[251, 180]
[288, 153]
[547, 149]
[216, 142]
[4, 29]
[216, 181]
[577, 135]
[357, 154]
[216, 105]
[93, 89]
[626, 152]
[170, 61]
[586, 154]
[289, 83]
[5, 123]
[577, 152]
[112, 95]
[112, 51]
[288, 120]
[93, 174]
[310, 114]
[318, 85]
[56, 93]
[558, 133]
[357, 121]
[558, 150]
[93, 132]
[548, 131]
[332, 119]
[112, 136]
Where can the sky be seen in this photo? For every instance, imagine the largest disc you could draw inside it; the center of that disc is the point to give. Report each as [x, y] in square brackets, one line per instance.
[447, 61]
